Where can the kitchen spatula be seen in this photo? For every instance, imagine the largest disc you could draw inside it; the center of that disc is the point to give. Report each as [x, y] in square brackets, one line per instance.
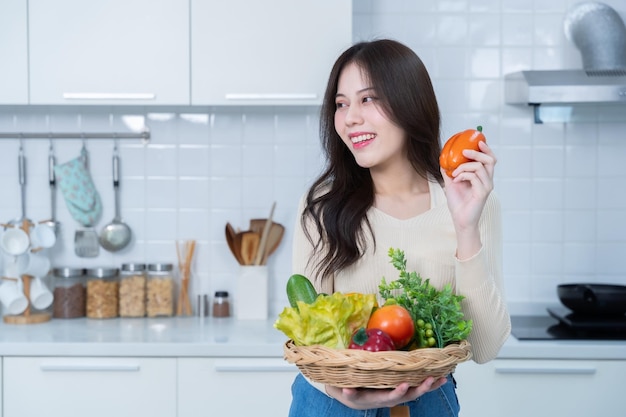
[86, 244]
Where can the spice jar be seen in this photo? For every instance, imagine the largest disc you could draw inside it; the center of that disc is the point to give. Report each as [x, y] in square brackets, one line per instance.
[102, 293]
[221, 305]
[132, 292]
[160, 290]
[69, 293]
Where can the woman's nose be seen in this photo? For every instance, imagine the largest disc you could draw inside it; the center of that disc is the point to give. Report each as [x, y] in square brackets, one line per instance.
[353, 115]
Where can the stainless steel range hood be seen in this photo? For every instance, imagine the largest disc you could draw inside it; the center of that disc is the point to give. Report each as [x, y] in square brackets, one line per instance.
[599, 34]
[564, 87]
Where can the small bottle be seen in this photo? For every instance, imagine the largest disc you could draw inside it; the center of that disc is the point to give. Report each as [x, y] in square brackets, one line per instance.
[102, 293]
[132, 290]
[221, 305]
[69, 293]
[160, 290]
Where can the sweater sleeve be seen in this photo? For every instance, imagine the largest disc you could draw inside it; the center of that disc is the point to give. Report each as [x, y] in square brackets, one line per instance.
[479, 280]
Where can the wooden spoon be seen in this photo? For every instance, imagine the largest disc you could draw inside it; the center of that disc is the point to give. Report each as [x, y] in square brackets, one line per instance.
[266, 231]
[230, 239]
[249, 246]
[274, 237]
[273, 240]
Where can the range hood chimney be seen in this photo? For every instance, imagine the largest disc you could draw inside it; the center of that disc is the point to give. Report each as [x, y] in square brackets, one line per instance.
[599, 34]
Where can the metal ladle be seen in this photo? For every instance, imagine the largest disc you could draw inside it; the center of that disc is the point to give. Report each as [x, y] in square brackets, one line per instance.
[116, 235]
[52, 222]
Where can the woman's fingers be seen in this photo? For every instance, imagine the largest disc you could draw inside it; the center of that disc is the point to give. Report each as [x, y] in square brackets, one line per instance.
[377, 398]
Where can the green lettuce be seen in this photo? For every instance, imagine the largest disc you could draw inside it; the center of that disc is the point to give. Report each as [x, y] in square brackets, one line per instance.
[330, 320]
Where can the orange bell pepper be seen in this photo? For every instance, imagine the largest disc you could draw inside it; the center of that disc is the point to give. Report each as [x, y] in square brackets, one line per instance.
[452, 154]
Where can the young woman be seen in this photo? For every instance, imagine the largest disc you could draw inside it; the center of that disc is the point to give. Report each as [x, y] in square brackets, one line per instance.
[383, 187]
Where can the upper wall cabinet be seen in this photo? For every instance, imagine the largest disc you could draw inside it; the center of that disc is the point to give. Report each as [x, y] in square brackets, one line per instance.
[108, 51]
[13, 52]
[275, 52]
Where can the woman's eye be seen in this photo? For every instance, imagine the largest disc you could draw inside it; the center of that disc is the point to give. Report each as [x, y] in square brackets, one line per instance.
[340, 105]
[368, 99]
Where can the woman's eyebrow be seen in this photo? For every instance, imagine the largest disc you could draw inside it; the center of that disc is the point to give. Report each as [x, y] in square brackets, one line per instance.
[363, 90]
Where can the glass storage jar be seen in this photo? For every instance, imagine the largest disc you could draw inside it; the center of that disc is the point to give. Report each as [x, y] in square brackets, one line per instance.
[221, 306]
[132, 290]
[160, 290]
[102, 293]
[69, 293]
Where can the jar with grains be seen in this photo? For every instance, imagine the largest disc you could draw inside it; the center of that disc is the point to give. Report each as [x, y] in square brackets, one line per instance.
[102, 293]
[160, 290]
[69, 293]
[132, 289]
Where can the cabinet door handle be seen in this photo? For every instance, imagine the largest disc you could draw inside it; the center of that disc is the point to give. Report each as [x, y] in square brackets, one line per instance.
[109, 96]
[88, 367]
[271, 96]
[553, 370]
[234, 366]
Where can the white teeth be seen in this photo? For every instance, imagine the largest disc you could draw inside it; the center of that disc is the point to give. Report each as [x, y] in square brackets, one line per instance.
[362, 138]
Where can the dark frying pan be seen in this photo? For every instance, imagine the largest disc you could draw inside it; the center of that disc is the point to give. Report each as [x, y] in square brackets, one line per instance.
[594, 299]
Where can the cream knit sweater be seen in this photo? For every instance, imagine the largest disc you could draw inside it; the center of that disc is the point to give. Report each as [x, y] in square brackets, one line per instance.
[429, 243]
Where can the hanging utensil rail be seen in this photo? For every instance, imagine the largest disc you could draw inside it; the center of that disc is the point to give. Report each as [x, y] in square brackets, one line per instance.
[144, 136]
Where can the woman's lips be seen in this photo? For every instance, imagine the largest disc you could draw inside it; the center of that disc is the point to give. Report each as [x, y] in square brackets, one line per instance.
[360, 140]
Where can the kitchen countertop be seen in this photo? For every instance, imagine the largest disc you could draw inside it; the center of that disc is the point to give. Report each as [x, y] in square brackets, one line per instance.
[213, 337]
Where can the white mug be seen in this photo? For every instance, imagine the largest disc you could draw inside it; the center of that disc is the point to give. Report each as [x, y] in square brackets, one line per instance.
[14, 241]
[42, 236]
[33, 264]
[40, 296]
[12, 296]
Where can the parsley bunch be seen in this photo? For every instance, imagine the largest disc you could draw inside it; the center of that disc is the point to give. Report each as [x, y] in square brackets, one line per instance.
[441, 308]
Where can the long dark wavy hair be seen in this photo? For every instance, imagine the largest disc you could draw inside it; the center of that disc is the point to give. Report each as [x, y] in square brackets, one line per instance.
[339, 199]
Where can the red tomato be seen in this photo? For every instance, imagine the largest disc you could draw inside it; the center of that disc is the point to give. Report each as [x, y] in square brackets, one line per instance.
[394, 320]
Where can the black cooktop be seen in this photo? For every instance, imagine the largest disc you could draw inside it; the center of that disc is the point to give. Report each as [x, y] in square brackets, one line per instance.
[562, 324]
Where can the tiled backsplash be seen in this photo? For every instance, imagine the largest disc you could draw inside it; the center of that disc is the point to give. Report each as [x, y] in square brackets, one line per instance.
[561, 185]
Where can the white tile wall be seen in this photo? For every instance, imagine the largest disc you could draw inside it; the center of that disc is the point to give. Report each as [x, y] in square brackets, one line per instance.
[561, 185]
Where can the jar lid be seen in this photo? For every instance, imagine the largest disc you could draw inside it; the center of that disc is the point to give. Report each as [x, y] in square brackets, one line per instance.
[160, 267]
[101, 272]
[68, 272]
[221, 293]
[133, 267]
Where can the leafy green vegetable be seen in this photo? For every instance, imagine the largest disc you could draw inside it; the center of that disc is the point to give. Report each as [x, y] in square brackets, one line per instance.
[440, 308]
[330, 320]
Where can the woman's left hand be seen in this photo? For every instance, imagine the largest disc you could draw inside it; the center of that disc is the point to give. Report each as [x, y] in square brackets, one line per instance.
[365, 399]
[468, 189]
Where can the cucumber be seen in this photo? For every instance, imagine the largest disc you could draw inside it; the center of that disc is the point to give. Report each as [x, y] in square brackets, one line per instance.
[299, 288]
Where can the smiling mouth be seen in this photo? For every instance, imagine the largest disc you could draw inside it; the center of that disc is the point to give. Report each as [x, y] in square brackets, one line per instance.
[362, 138]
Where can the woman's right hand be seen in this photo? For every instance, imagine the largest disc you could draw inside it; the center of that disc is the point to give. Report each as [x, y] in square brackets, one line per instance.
[366, 398]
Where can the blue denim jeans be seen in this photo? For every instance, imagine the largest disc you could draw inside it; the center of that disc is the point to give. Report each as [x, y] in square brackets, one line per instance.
[308, 401]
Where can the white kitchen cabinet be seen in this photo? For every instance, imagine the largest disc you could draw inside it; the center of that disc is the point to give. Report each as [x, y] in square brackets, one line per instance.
[94, 387]
[234, 386]
[265, 52]
[13, 52]
[1, 388]
[534, 387]
[109, 52]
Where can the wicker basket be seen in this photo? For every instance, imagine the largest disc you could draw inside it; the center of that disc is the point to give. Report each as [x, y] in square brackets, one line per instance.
[359, 368]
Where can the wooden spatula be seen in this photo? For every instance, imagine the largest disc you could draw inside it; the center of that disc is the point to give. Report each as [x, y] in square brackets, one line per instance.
[249, 246]
[230, 239]
[274, 237]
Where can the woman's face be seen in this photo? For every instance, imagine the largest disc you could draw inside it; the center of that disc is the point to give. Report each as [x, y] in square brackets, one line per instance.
[360, 121]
